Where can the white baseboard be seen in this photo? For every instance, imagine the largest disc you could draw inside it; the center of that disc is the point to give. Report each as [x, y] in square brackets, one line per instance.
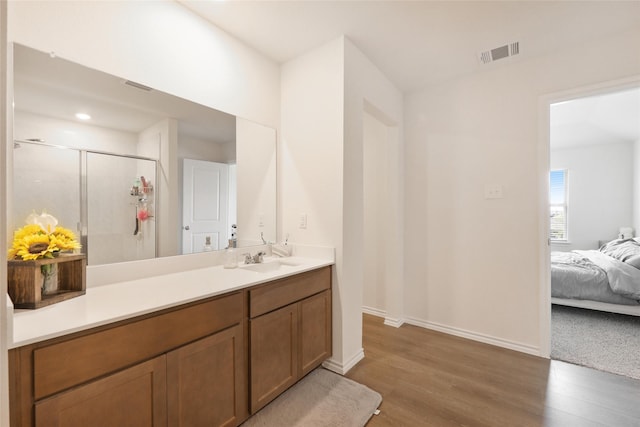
[343, 368]
[389, 321]
[487, 339]
[374, 311]
[392, 321]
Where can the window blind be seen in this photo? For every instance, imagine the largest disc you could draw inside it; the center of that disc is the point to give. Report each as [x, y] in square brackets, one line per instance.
[558, 204]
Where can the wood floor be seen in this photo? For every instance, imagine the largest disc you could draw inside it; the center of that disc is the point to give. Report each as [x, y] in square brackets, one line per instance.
[427, 378]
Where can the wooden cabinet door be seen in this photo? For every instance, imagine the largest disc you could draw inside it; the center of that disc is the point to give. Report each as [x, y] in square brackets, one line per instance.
[207, 381]
[315, 331]
[274, 354]
[134, 397]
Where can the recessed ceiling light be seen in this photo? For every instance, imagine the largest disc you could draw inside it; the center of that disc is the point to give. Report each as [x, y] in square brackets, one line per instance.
[83, 116]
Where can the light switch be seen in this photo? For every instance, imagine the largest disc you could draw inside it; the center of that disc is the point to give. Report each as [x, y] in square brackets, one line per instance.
[261, 220]
[493, 191]
[303, 220]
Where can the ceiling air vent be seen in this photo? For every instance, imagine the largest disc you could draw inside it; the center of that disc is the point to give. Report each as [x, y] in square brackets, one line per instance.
[499, 52]
[138, 85]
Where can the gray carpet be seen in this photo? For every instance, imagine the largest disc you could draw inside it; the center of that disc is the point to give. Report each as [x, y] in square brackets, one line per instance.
[321, 399]
[604, 341]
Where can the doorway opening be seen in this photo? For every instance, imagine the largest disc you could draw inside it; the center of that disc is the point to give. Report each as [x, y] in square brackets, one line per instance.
[382, 217]
[594, 208]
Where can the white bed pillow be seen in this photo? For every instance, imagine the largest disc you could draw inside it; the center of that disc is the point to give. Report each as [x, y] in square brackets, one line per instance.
[624, 250]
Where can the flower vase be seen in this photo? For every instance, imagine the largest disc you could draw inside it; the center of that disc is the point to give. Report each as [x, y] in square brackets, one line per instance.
[49, 278]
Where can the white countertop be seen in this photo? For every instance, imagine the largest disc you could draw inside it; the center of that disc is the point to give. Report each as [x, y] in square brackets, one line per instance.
[106, 304]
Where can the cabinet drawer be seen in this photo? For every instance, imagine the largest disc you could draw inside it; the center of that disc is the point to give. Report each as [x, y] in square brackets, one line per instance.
[274, 295]
[65, 364]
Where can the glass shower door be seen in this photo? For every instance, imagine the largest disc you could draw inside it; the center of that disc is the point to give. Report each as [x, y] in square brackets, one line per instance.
[46, 178]
[120, 208]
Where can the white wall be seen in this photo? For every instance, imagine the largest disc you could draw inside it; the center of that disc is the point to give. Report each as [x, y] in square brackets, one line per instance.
[367, 90]
[255, 183]
[310, 156]
[73, 134]
[322, 105]
[473, 265]
[200, 149]
[600, 192]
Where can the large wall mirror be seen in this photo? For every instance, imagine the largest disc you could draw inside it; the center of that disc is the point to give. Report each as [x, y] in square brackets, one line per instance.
[142, 173]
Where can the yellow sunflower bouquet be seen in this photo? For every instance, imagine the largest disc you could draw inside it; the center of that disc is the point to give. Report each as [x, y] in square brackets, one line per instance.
[41, 238]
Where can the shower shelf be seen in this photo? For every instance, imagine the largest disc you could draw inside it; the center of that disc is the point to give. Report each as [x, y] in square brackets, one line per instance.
[135, 191]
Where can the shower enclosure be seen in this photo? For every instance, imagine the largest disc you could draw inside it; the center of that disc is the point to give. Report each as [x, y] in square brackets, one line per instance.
[108, 199]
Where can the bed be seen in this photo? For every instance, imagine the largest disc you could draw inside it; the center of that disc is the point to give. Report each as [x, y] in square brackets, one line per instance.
[607, 279]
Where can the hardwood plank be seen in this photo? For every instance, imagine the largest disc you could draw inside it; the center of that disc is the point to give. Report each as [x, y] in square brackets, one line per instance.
[427, 378]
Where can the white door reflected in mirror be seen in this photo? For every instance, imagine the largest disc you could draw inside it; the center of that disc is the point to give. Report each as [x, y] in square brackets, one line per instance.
[205, 206]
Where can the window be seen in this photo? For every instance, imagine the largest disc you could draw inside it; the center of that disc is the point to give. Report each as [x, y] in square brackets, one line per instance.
[558, 202]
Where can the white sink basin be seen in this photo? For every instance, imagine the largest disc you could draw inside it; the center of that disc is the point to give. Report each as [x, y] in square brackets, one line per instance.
[269, 266]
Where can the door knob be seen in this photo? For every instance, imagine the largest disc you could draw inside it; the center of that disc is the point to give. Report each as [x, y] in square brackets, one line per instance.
[186, 227]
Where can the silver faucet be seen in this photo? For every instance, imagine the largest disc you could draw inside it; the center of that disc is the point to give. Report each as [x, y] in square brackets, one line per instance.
[256, 259]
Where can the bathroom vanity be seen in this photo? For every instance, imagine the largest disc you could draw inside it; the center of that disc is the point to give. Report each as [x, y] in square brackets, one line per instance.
[191, 357]
[290, 332]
